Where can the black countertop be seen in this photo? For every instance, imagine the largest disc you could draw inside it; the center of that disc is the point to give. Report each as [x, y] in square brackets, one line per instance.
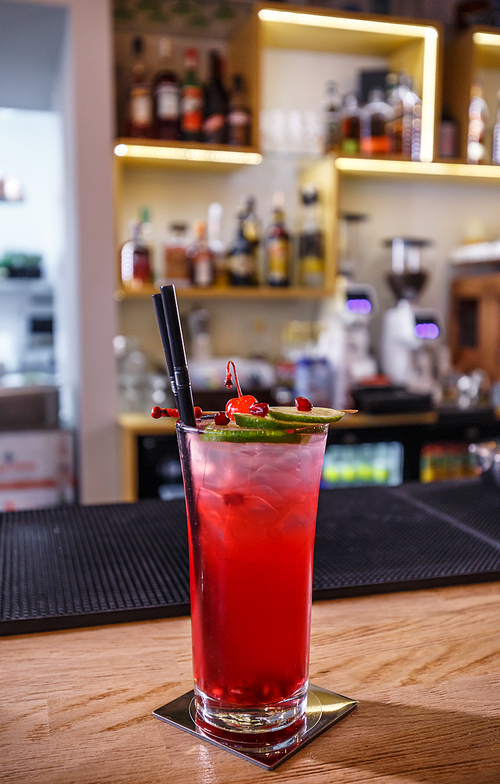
[81, 566]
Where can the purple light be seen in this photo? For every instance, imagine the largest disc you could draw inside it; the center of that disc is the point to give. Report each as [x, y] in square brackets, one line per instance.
[429, 331]
[362, 306]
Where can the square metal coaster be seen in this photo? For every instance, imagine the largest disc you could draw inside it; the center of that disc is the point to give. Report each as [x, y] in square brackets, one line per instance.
[324, 708]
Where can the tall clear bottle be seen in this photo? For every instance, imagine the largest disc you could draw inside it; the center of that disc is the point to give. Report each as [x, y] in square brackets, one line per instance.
[495, 147]
[332, 118]
[166, 94]
[478, 117]
[278, 245]
[140, 99]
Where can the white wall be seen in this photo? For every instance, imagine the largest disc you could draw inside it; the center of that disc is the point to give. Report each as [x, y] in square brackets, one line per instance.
[84, 98]
[30, 149]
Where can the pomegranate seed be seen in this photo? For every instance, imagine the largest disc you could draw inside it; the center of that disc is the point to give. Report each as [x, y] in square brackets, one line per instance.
[303, 404]
[197, 412]
[156, 412]
[240, 404]
[221, 418]
[259, 409]
[169, 412]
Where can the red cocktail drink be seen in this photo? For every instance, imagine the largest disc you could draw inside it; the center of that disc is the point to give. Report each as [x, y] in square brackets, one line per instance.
[251, 503]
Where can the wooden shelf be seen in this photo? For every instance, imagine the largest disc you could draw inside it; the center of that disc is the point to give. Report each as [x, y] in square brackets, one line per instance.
[235, 292]
[186, 155]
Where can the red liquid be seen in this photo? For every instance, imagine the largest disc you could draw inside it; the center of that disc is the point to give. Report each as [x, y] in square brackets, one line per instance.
[251, 554]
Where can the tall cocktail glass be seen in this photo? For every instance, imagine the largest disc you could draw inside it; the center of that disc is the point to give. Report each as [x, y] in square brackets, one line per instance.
[251, 507]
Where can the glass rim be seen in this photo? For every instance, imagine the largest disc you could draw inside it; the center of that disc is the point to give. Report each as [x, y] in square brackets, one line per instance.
[309, 428]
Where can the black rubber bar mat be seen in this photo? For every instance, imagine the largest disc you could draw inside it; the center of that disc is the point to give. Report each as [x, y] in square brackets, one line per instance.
[82, 566]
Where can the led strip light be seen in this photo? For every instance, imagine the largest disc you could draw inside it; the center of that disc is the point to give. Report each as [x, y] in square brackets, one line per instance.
[371, 166]
[486, 39]
[428, 33]
[151, 152]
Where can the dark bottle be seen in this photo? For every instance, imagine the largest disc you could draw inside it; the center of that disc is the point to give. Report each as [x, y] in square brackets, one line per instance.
[278, 246]
[376, 117]
[332, 118]
[239, 119]
[242, 261]
[191, 99]
[350, 123]
[166, 96]
[311, 260]
[140, 102]
[215, 103]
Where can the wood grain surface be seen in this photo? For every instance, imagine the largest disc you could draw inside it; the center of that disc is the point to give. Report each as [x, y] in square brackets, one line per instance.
[75, 706]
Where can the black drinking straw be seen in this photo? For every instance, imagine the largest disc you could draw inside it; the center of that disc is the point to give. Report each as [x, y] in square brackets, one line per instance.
[162, 326]
[179, 363]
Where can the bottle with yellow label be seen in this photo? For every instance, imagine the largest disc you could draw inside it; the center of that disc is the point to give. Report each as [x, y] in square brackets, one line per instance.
[278, 246]
[311, 260]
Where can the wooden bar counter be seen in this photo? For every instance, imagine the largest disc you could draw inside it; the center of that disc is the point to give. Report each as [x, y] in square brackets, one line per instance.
[75, 705]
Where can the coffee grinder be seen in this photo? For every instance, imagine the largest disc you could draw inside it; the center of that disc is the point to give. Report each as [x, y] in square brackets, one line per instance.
[411, 336]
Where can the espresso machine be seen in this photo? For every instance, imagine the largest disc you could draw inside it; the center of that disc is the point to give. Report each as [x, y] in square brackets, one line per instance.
[411, 336]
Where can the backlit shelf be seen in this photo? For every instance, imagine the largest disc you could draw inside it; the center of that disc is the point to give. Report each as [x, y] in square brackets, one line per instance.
[389, 168]
[184, 154]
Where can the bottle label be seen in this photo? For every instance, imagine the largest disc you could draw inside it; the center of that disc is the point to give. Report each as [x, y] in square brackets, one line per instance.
[238, 118]
[278, 260]
[312, 271]
[250, 231]
[176, 263]
[213, 128]
[373, 145]
[350, 145]
[192, 105]
[202, 270]
[167, 101]
[141, 106]
[242, 265]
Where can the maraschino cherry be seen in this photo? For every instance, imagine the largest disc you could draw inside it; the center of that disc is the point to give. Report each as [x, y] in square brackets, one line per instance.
[240, 404]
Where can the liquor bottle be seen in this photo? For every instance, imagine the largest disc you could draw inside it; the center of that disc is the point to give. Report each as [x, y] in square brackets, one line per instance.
[311, 260]
[350, 124]
[495, 148]
[278, 246]
[215, 103]
[242, 253]
[176, 264]
[201, 257]
[239, 118]
[140, 101]
[191, 99]
[135, 259]
[166, 95]
[478, 117]
[375, 125]
[214, 231]
[332, 118]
